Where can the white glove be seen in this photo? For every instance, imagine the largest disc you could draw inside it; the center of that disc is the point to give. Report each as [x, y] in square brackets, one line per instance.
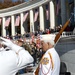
[6, 42]
[10, 44]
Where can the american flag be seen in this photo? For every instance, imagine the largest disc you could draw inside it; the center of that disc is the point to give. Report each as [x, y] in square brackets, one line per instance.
[57, 6]
[7, 22]
[25, 16]
[36, 16]
[0, 20]
[47, 14]
[17, 21]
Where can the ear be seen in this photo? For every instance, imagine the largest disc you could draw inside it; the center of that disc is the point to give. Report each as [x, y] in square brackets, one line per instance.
[48, 43]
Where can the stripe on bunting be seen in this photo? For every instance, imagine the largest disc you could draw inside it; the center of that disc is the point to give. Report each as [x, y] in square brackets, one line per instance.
[36, 16]
[7, 22]
[17, 21]
[25, 17]
[0, 20]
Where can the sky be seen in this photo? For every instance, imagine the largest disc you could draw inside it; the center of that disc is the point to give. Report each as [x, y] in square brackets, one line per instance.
[14, 0]
[27, 0]
[17, 0]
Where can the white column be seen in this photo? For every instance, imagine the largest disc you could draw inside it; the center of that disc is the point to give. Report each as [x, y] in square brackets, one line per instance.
[31, 21]
[12, 26]
[22, 28]
[52, 15]
[63, 11]
[3, 27]
[41, 18]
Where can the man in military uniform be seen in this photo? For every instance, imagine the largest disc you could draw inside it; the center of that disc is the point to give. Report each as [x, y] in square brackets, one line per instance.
[14, 59]
[50, 62]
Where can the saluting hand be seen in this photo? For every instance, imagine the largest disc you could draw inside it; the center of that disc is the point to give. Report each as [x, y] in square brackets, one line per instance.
[6, 42]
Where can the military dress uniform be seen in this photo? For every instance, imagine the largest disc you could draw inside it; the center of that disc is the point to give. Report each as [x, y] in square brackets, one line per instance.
[14, 59]
[50, 63]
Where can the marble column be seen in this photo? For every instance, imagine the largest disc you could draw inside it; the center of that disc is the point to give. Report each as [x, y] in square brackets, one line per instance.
[31, 21]
[12, 26]
[41, 18]
[22, 28]
[52, 15]
[3, 27]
